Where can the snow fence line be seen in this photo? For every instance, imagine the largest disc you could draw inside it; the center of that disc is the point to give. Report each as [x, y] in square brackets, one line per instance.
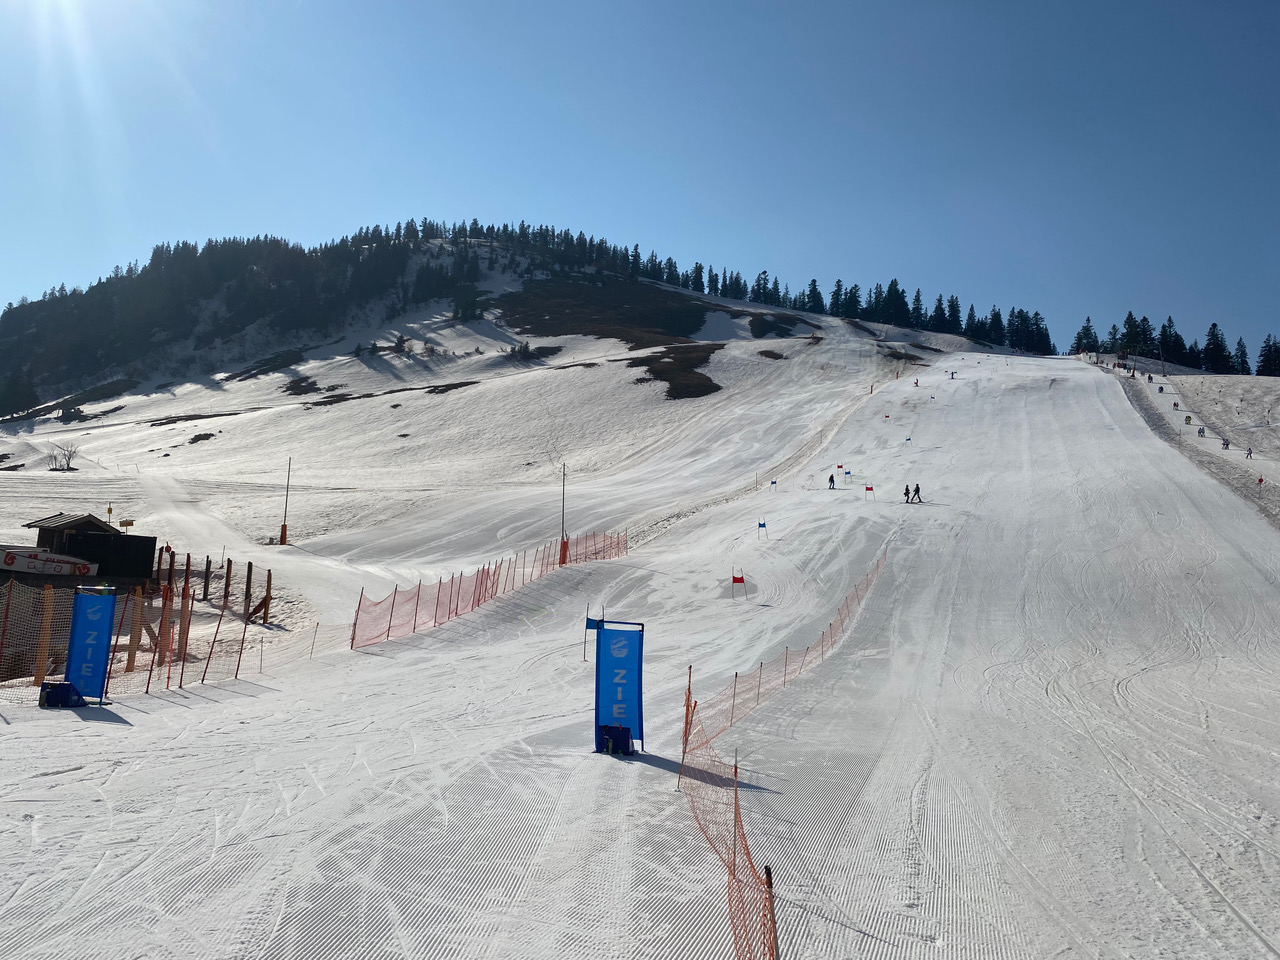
[170, 637]
[710, 783]
[423, 607]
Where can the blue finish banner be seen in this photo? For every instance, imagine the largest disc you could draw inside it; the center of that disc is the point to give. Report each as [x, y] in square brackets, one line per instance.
[619, 660]
[92, 615]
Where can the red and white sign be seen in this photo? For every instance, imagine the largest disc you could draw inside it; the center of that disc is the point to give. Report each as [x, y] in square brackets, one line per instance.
[37, 561]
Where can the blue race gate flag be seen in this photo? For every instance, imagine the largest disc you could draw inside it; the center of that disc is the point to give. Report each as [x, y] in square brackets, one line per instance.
[92, 614]
[619, 704]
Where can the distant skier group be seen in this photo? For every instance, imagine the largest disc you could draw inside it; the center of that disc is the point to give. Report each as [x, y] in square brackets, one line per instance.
[910, 497]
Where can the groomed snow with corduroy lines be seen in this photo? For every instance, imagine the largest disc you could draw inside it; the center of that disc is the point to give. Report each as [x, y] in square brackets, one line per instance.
[1053, 730]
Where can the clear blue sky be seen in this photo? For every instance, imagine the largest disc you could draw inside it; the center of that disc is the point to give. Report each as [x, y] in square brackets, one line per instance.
[1081, 158]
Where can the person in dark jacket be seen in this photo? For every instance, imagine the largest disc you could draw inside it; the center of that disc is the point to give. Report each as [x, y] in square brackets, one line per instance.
[915, 497]
[906, 493]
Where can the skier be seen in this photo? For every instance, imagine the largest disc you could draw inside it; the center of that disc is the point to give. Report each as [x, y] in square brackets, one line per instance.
[1248, 454]
[915, 498]
[953, 374]
[917, 383]
[906, 493]
[1226, 444]
[831, 482]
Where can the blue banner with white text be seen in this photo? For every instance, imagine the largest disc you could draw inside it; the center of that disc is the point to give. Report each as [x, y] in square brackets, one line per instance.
[92, 614]
[619, 660]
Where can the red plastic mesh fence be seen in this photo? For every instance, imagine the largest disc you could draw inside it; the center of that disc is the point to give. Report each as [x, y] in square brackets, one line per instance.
[710, 784]
[161, 640]
[35, 627]
[419, 608]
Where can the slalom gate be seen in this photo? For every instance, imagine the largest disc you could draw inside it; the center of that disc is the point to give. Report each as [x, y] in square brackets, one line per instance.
[422, 607]
[710, 783]
[193, 629]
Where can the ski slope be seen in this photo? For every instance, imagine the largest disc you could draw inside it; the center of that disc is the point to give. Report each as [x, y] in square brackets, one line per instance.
[1051, 732]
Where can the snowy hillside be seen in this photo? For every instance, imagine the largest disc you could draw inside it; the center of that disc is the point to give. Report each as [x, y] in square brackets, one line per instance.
[1050, 731]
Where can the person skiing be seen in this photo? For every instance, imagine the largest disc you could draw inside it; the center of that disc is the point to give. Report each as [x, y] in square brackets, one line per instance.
[831, 482]
[915, 497]
[906, 493]
[1248, 454]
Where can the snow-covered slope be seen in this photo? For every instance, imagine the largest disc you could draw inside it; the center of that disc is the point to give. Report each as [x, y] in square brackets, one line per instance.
[1050, 733]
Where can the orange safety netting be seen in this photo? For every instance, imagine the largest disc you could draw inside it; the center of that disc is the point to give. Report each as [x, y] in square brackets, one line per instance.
[408, 611]
[163, 639]
[710, 784]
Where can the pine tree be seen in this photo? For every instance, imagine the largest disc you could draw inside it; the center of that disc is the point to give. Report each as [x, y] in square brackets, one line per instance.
[1173, 348]
[1241, 359]
[1112, 344]
[1269, 357]
[853, 302]
[836, 304]
[954, 323]
[995, 327]
[895, 310]
[972, 325]
[713, 282]
[1195, 356]
[813, 298]
[1216, 358]
[1086, 340]
[917, 311]
[938, 318]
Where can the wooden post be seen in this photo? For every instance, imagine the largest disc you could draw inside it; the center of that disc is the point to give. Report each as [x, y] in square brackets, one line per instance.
[773, 918]
[208, 569]
[248, 589]
[733, 704]
[46, 632]
[266, 600]
[173, 560]
[226, 585]
[785, 654]
[759, 678]
[417, 602]
[135, 631]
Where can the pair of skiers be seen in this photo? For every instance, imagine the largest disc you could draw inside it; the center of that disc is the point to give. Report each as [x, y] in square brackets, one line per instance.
[909, 497]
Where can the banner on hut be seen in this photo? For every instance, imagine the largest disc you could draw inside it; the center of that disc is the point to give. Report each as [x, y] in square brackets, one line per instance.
[619, 697]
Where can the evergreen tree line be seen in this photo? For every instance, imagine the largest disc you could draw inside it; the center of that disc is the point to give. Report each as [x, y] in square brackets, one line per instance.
[1138, 338]
[214, 292]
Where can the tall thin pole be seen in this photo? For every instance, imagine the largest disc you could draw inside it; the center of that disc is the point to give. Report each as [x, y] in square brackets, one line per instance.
[284, 524]
[564, 474]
